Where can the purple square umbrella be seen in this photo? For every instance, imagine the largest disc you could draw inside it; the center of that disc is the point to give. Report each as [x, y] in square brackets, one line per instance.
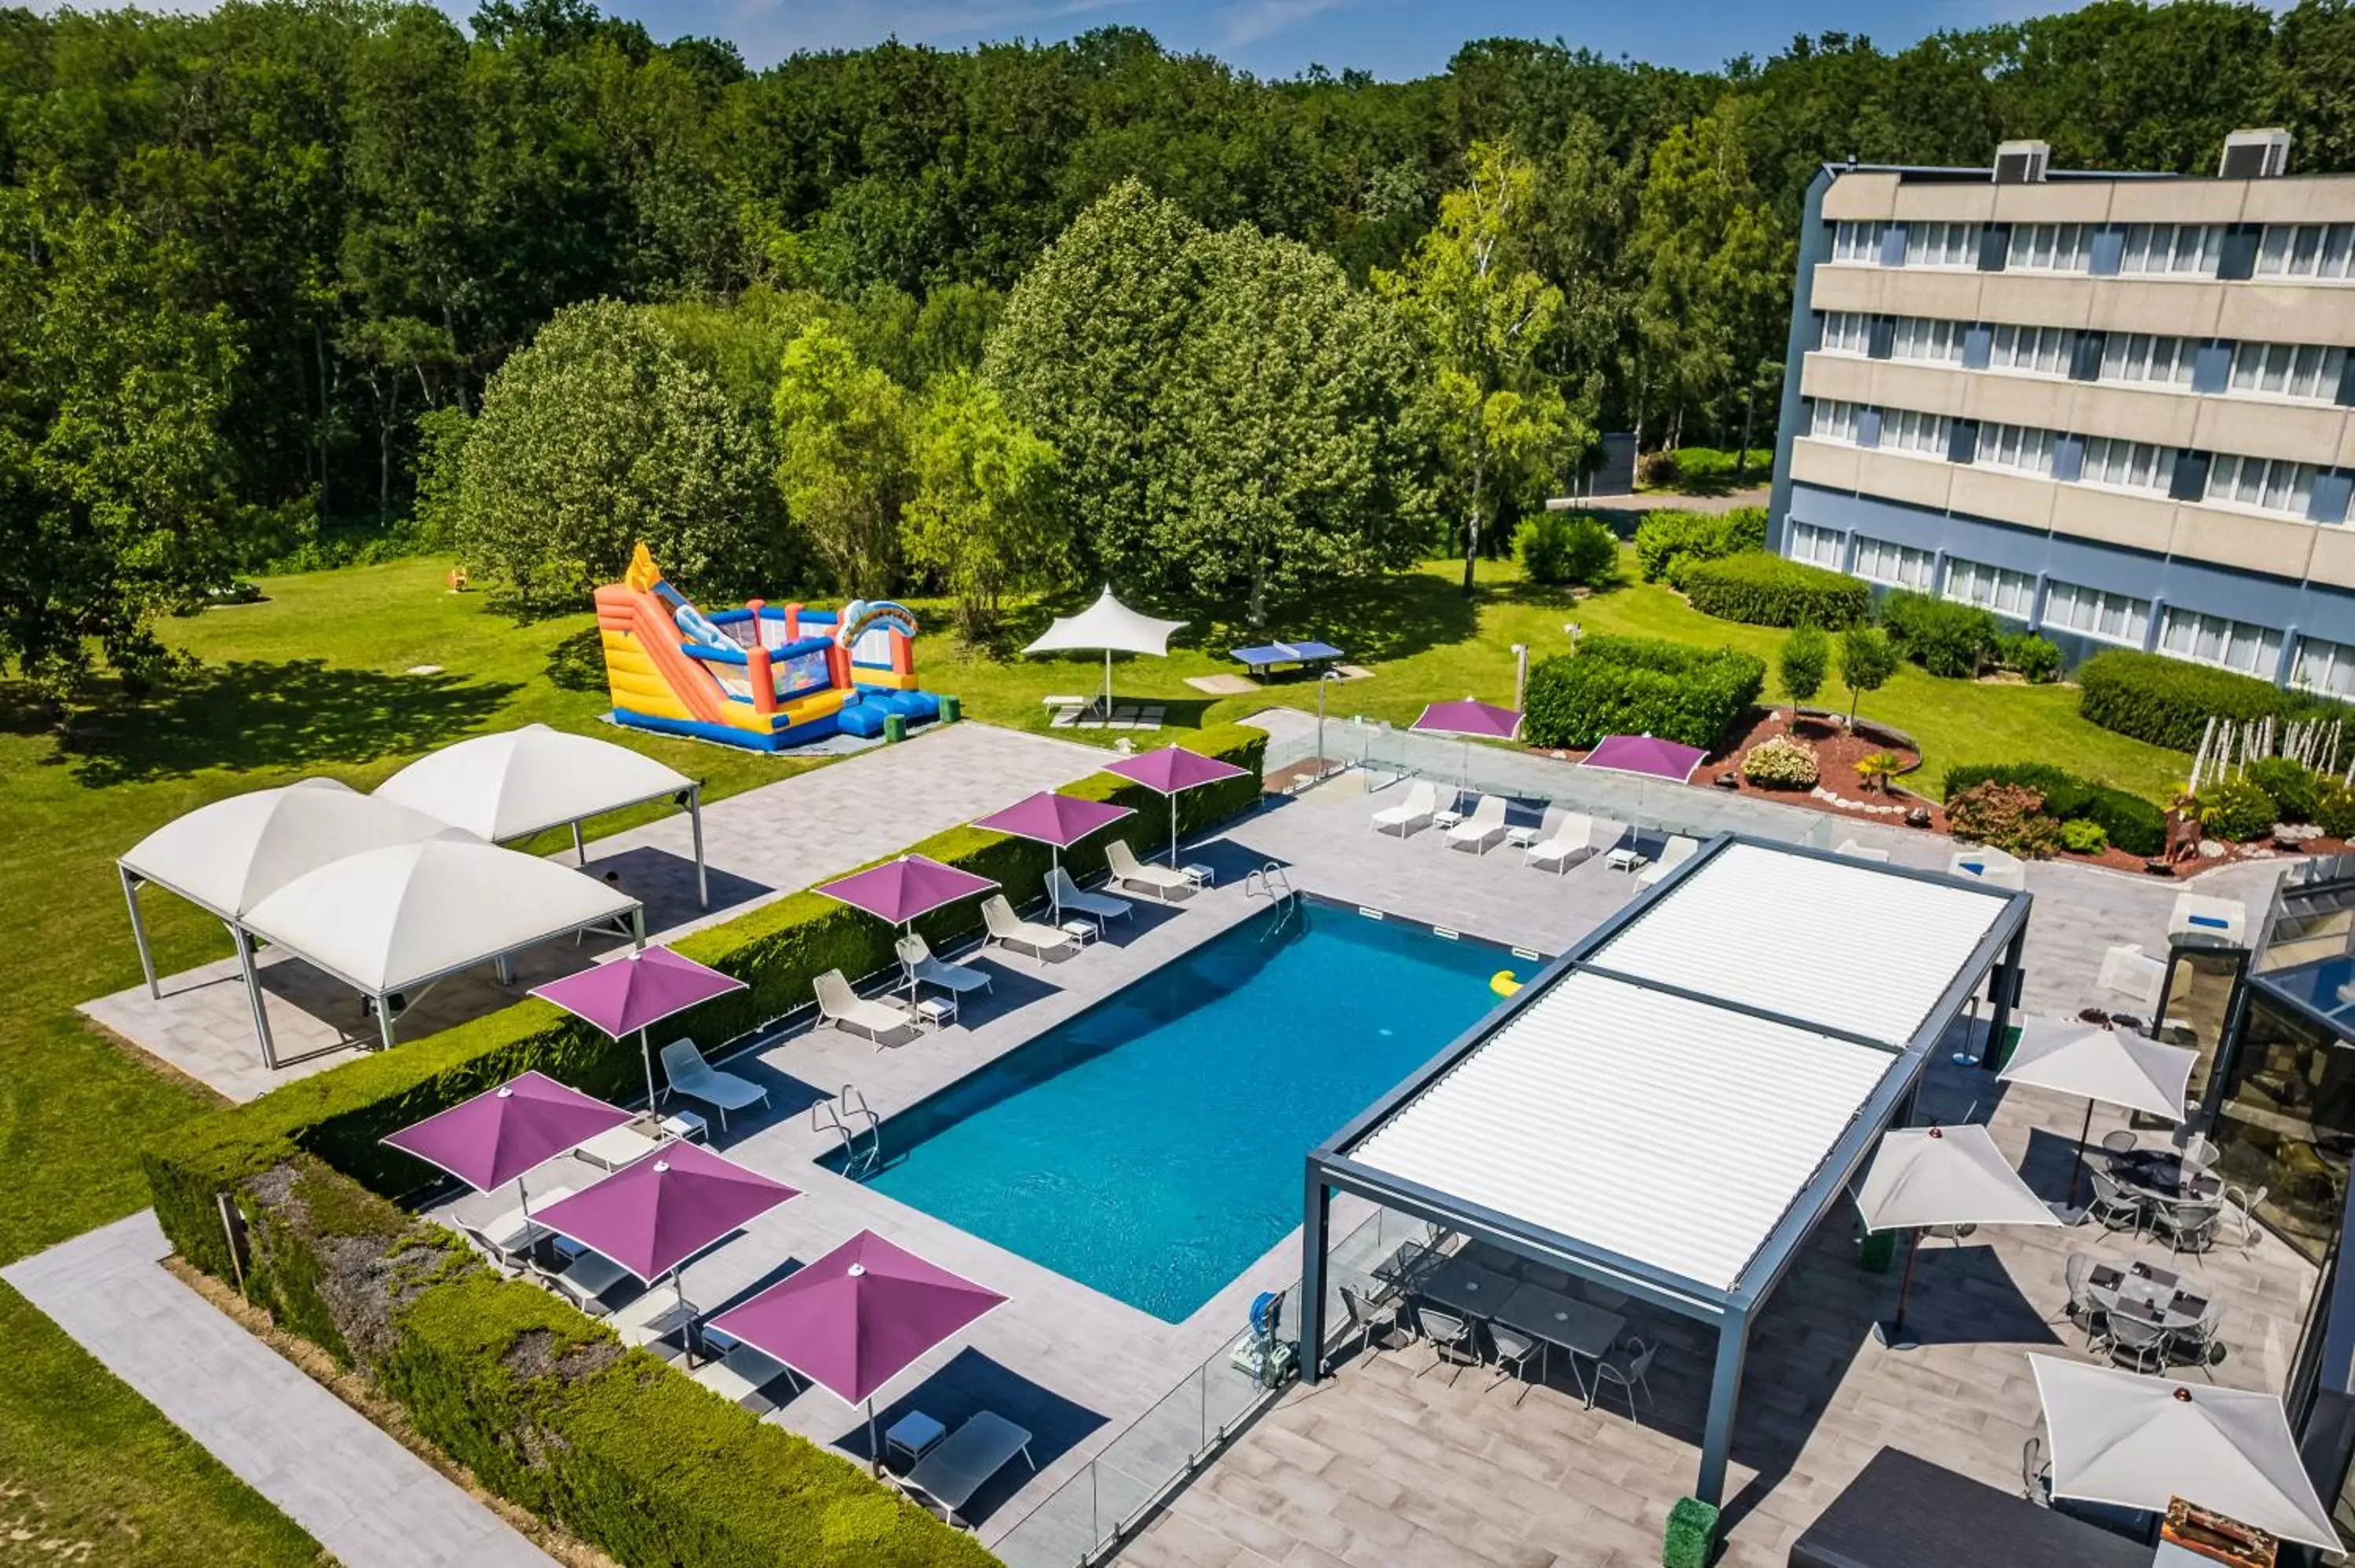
[900, 890]
[1472, 720]
[1059, 821]
[857, 1318]
[501, 1134]
[1642, 753]
[1170, 771]
[632, 994]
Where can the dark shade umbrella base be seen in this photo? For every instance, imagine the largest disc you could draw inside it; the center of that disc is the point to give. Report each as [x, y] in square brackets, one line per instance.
[1895, 1337]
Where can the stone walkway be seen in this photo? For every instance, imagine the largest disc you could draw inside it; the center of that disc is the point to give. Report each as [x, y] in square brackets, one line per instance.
[361, 1494]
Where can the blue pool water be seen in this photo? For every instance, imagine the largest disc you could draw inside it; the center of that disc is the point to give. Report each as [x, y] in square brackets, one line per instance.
[1152, 1147]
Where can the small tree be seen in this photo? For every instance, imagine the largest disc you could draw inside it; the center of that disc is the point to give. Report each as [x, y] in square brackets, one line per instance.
[1867, 660]
[983, 515]
[1801, 664]
[842, 458]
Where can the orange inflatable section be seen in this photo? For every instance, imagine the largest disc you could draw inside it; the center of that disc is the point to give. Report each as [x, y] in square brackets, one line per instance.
[639, 616]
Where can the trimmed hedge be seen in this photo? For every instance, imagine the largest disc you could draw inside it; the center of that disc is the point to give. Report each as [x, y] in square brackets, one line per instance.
[1664, 538]
[1762, 589]
[2133, 823]
[1943, 636]
[2169, 702]
[1639, 685]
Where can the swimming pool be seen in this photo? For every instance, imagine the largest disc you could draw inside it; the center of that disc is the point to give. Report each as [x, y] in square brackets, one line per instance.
[1152, 1147]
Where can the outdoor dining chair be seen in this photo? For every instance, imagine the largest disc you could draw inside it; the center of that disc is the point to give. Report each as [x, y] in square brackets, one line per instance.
[1626, 1368]
[2243, 1205]
[1451, 1340]
[2113, 1205]
[2084, 1309]
[2200, 1151]
[1370, 1321]
[2142, 1345]
[2119, 1141]
[1515, 1352]
[2189, 1227]
[2200, 1343]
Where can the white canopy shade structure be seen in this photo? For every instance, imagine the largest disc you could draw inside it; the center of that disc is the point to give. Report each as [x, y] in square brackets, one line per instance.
[1111, 627]
[1924, 1176]
[519, 782]
[2114, 1067]
[388, 922]
[2138, 1442]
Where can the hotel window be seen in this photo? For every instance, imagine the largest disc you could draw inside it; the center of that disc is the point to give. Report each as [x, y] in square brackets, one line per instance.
[2023, 448]
[2188, 249]
[2112, 617]
[2288, 369]
[2144, 356]
[1991, 587]
[1848, 331]
[2041, 350]
[2227, 644]
[1942, 245]
[1834, 420]
[1858, 242]
[2128, 465]
[1898, 565]
[2262, 484]
[1927, 339]
[2305, 251]
[2050, 248]
[2325, 667]
[1908, 430]
[1816, 547]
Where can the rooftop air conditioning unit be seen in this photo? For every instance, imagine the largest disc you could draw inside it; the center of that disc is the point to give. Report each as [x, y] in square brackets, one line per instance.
[2021, 162]
[2254, 156]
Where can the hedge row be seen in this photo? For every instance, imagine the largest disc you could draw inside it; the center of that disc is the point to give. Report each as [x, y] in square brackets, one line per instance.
[1663, 538]
[548, 1410]
[2133, 823]
[777, 949]
[1638, 686]
[2167, 702]
[1942, 636]
[1762, 589]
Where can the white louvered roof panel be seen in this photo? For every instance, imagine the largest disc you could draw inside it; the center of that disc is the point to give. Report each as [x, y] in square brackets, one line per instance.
[1844, 943]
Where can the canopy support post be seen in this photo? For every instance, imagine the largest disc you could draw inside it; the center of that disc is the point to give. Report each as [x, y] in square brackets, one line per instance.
[695, 825]
[245, 967]
[2007, 981]
[139, 929]
[1724, 1394]
[638, 927]
[1317, 1213]
[580, 850]
[384, 1019]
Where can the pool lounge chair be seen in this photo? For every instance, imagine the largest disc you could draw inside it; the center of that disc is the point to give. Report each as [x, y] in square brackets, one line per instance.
[847, 1011]
[1414, 811]
[691, 1076]
[1484, 827]
[964, 1460]
[1008, 929]
[1069, 895]
[583, 1280]
[917, 962]
[1571, 837]
[743, 1374]
[1679, 849]
[1129, 872]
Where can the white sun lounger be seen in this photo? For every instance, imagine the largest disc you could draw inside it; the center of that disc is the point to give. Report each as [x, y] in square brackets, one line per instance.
[1484, 827]
[585, 1277]
[1679, 849]
[507, 1237]
[1572, 836]
[740, 1374]
[691, 1076]
[916, 962]
[1129, 872]
[1008, 929]
[964, 1460]
[1069, 895]
[1855, 851]
[1421, 800]
[846, 1010]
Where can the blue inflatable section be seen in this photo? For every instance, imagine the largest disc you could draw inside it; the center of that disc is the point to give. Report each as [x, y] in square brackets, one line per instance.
[865, 716]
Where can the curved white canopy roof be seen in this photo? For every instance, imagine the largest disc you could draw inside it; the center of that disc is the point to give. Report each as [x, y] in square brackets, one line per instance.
[1107, 625]
[388, 919]
[521, 782]
[231, 854]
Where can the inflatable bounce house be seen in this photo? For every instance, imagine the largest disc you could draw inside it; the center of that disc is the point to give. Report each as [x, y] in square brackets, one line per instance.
[763, 676]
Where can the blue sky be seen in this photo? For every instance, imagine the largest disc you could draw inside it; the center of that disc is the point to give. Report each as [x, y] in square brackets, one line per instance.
[1392, 39]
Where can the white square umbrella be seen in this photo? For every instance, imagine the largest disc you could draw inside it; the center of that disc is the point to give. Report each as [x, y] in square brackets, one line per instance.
[2131, 1441]
[2115, 1067]
[1924, 1176]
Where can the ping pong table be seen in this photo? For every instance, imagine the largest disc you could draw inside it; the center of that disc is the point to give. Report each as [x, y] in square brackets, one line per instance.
[1307, 655]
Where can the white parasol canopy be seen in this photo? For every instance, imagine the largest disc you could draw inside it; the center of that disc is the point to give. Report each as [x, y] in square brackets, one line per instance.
[1111, 626]
[2132, 1441]
[231, 854]
[2115, 1067]
[1945, 1176]
[523, 781]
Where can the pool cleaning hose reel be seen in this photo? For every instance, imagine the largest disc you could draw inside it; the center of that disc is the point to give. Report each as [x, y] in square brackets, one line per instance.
[1266, 1359]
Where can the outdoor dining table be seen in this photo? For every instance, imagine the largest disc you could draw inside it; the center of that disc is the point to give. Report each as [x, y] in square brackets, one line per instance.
[2147, 1294]
[1548, 1316]
[2156, 1175]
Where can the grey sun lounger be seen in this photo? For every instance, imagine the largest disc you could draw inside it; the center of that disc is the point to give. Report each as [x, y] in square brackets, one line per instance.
[1069, 895]
[965, 1459]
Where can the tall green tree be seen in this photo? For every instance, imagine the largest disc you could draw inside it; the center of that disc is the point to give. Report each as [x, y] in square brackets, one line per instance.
[843, 462]
[983, 513]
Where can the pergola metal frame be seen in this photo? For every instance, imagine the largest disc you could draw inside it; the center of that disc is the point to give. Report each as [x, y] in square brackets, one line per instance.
[691, 797]
[1995, 960]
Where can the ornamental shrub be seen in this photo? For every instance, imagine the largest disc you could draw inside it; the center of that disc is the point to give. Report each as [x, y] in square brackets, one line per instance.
[1943, 636]
[2080, 835]
[1805, 660]
[2237, 810]
[1555, 549]
[2008, 817]
[2129, 821]
[1781, 763]
[1639, 685]
[2169, 702]
[2035, 659]
[1663, 538]
[1656, 470]
[2292, 785]
[2334, 809]
[1763, 590]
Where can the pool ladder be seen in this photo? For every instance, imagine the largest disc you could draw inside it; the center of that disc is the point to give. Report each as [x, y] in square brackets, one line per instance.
[1270, 879]
[848, 1114]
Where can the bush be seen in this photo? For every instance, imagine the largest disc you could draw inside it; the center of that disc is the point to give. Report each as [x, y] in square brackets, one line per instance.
[1664, 538]
[2237, 810]
[2295, 791]
[1943, 636]
[1763, 590]
[1638, 686]
[1781, 763]
[2080, 836]
[1716, 464]
[1803, 663]
[2008, 817]
[2131, 822]
[2169, 702]
[1555, 549]
[1655, 470]
[2334, 809]
[2034, 658]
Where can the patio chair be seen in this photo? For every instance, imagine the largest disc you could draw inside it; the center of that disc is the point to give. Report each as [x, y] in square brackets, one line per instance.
[1069, 895]
[1369, 1320]
[916, 962]
[2243, 1205]
[741, 1374]
[2189, 1227]
[2119, 1141]
[2200, 1343]
[1515, 1352]
[1160, 881]
[964, 1461]
[1679, 849]
[845, 1010]
[2197, 915]
[2140, 1345]
[1626, 1368]
[2035, 1475]
[1571, 837]
[583, 1279]
[2127, 971]
[2113, 1205]
[2082, 1309]
[689, 1073]
[508, 1238]
[2200, 1151]
[1414, 811]
[1451, 1340]
[1484, 827]
[1007, 929]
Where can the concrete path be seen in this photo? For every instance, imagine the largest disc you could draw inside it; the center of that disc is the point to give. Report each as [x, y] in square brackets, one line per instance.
[361, 1494]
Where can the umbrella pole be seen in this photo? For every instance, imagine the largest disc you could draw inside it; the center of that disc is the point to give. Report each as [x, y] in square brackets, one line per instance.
[1172, 798]
[1055, 893]
[1892, 1333]
[2078, 1164]
[686, 1319]
[874, 1454]
[1107, 702]
[523, 1198]
[647, 1053]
